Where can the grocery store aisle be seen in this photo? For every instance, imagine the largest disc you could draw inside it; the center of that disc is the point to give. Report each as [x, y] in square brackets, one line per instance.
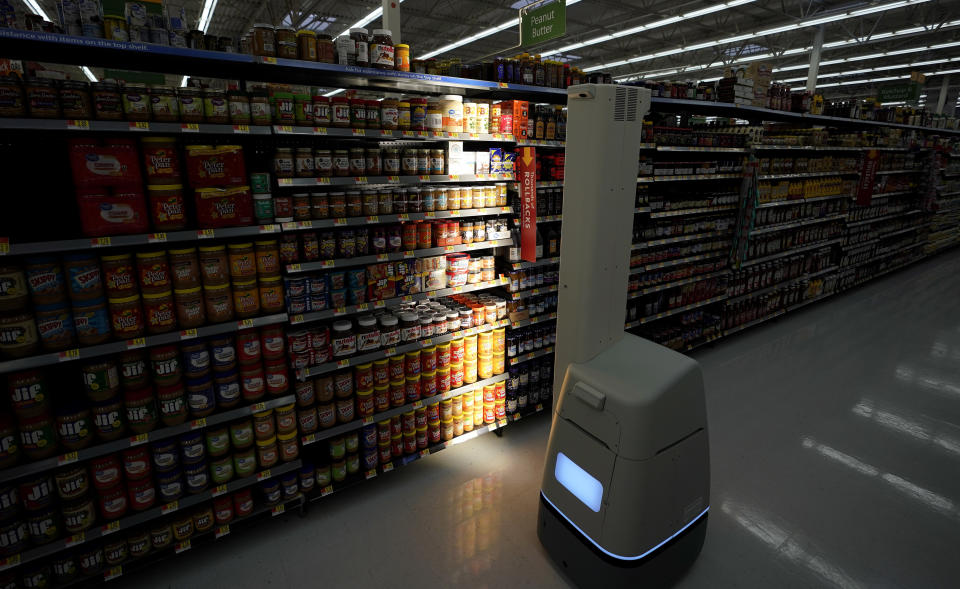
[835, 437]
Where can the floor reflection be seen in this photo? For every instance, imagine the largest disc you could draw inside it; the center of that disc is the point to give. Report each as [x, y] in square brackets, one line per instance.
[920, 428]
[477, 521]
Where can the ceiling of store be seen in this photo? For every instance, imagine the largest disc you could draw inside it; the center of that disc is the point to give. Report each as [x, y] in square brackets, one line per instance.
[725, 34]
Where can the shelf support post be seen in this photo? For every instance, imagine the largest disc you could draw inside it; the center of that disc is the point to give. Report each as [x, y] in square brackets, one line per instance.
[391, 18]
[815, 60]
[942, 98]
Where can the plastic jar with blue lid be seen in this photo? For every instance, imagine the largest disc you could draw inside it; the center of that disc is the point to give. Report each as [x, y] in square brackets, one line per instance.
[227, 389]
[166, 455]
[201, 396]
[197, 477]
[192, 447]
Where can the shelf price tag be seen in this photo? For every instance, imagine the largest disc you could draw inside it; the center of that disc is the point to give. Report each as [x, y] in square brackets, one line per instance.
[373, 219]
[474, 135]
[221, 532]
[219, 490]
[383, 257]
[454, 177]
[205, 233]
[245, 324]
[427, 342]
[436, 133]
[403, 217]
[189, 128]
[418, 405]
[139, 126]
[359, 132]
[424, 178]
[293, 267]
[277, 510]
[170, 507]
[387, 467]
[454, 135]
[270, 60]
[360, 179]
[272, 228]
[258, 407]
[407, 133]
[339, 311]
[343, 363]
[68, 458]
[295, 319]
[539, 407]
[78, 124]
[327, 264]
[263, 475]
[425, 452]
[503, 84]
[113, 573]
[284, 129]
[182, 546]
[67, 355]
[319, 180]
[390, 352]
[326, 490]
[241, 129]
[198, 423]
[136, 343]
[308, 439]
[449, 248]
[139, 439]
[454, 213]
[156, 238]
[188, 334]
[100, 242]
[363, 307]
[407, 255]
[4, 246]
[340, 222]
[367, 420]
[75, 539]
[393, 179]
[110, 528]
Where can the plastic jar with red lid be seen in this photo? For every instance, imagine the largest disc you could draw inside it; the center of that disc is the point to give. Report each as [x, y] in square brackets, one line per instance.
[252, 382]
[113, 502]
[106, 471]
[243, 503]
[223, 509]
[248, 347]
[278, 382]
[272, 342]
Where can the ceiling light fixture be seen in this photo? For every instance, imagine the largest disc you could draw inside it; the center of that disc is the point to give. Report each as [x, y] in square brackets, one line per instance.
[736, 38]
[879, 68]
[482, 34]
[206, 14]
[89, 74]
[32, 5]
[654, 25]
[802, 50]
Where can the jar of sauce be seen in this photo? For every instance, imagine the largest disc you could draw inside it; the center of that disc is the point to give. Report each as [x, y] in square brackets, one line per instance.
[307, 45]
[325, 48]
[286, 43]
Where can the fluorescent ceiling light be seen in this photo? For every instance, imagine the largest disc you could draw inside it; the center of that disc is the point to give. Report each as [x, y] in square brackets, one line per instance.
[879, 68]
[802, 50]
[734, 39]
[482, 34]
[206, 14]
[334, 93]
[654, 25]
[374, 15]
[89, 74]
[33, 6]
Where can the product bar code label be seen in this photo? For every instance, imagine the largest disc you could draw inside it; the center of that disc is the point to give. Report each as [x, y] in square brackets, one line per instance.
[170, 507]
[222, 531]
[182, 546]
[68, 458]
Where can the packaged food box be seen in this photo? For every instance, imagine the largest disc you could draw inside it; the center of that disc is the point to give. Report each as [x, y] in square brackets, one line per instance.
[381, 282]
[215, 166]
[111, 163]
[224, 207]
[104, 213]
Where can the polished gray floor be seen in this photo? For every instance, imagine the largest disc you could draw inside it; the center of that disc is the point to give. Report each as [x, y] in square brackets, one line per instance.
[835, 441]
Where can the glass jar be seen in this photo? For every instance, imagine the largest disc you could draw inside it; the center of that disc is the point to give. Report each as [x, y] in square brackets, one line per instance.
[42, 98]
[372, 164]
[267, 452]
[106, 101]
[304, 163]
[408, 162]
[341, 163]
[286, 43]
[340, 111]
[361, 43]
[403, 115]
[74, 100]
[373, 114]
[390, 161]
[259, 108]
[239, 107]
[263, 41]
[321, 111]
[389, 114]
[382, 50]
[307, 45]
[358, 113]
[325, 48]
[191, 105]
[283, 162]
[418, 114]
[11, 98]
[164, 105]
[215, 108]
[136, 102]
[343, 341]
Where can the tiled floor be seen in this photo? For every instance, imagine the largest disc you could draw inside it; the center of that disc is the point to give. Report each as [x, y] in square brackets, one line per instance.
[835, 442]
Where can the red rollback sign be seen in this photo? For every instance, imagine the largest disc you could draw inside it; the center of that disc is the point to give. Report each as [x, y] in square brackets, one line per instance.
[527, 185]
[868, 175]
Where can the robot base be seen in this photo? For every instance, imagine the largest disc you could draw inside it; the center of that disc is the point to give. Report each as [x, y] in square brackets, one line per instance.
[587, 566]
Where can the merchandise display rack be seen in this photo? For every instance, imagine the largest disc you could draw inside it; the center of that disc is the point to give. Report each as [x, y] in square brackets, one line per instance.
[147, 57]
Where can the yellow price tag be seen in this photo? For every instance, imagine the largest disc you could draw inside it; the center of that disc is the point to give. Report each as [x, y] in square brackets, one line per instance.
[156, 238]
[170, 507]
[278, 510]
[100, 242]
[403, 217]
[409, 255]
[190, 128]
[284, 129]
[454, 135]
[425, 452]
[4, 246]
[418, 405]
[393, 179]
[182, 546]
[390, 351]
[136, 343]
[363, 307]
[474, 136]
[270, 60]
[205, 233]
[67, 458]
[339, 222]
[293, 267]
[188, 334]
[322, 181]
[427, 342]
[358, 132]
[319, 130]
[373, 219]
[424, 178]
[309, 439]
[219, 490]
[75, 539]
[454, 213]
[110, 528]
[258, 407]
[67, 355]
[343, 363]
[113, 573]
[539, 407]
[139, 126]
[448, 248]
[241, 128]
[387, 467]
[198, 423]
[263, 475]
[328, 264]
[294, 319]
[360, 179]
[383, 257]
[326, 490]
[503, 84]
[222, 531]
[78, 124]
[453, 177]
[367, 420]
[437, 133]
[407, 133]
[370, 474]
[285, 181]
[245, 324]
[139, 439]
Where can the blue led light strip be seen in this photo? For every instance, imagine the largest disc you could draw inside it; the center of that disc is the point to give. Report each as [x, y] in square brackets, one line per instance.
[617, 556]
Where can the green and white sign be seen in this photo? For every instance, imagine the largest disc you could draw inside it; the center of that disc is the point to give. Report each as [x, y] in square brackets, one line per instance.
[543, 23]
[909, 91]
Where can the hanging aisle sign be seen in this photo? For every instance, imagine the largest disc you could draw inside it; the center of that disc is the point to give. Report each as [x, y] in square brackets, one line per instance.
[527, 187]
[543, 23]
